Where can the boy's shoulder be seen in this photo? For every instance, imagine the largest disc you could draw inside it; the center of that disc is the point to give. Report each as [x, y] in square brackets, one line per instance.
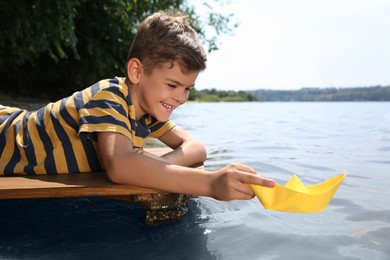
[118, 82]
[115, 85]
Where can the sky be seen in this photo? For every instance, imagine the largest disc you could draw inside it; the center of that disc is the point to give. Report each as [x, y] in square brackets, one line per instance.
[291, 44]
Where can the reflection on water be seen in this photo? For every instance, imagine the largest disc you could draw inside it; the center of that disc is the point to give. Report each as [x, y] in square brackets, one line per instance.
[95, 228]
[314, 140]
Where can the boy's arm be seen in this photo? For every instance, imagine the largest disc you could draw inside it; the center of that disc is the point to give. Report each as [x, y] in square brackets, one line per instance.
[127, 166]
[187, 150]
[124, 165]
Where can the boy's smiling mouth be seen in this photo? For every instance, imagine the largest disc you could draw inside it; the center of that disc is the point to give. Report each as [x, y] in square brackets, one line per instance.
[168, 106]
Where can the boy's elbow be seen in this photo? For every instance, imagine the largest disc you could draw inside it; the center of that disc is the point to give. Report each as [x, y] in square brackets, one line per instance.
[201, 148]
[113, 172]
[114, 177]
[204, 153]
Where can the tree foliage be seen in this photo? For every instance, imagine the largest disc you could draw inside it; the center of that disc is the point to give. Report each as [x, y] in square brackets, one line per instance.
[213, 95]
[58, 47]
[374, 93]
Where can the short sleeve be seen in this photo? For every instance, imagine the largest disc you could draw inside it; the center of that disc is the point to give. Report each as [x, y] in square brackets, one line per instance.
[106, 111]
[160, 128]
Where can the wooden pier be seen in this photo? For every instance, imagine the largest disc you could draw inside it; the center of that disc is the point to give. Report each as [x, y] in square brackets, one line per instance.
[159, 206]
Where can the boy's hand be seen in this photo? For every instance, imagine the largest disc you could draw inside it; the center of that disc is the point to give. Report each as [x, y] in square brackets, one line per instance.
[232, 182]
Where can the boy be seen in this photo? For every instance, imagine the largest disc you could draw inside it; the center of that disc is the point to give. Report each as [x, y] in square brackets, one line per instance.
[105, 125]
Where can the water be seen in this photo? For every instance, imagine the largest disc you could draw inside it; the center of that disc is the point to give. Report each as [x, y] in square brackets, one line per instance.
[316, 141]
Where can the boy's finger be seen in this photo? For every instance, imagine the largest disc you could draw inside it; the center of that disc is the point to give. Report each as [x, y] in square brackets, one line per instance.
[245, 168]
[246, 189]
[255, 179]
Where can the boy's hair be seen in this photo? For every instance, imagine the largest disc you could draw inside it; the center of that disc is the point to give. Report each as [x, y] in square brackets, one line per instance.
[167, 37]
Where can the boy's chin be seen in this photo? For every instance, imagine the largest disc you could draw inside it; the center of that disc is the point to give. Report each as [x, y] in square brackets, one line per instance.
[161, 118]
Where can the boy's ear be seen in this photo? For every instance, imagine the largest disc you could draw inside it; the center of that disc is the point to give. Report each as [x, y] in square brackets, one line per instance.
[134, 68]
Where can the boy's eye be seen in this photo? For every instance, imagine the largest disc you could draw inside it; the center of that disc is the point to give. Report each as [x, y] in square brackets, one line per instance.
[171, 85]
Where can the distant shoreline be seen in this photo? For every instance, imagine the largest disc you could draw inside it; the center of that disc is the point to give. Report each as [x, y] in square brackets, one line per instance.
[358, 94]
[375, 93]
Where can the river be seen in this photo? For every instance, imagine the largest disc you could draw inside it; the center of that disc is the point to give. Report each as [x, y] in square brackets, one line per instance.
[316, 141]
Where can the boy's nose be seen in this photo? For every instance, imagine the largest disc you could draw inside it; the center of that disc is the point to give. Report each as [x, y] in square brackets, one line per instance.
[181, 97]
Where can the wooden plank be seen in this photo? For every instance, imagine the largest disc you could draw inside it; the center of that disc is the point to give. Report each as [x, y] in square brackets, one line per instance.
[69, 185]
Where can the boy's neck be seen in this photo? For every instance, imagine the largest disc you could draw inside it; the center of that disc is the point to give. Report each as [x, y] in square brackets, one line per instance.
[134, 98]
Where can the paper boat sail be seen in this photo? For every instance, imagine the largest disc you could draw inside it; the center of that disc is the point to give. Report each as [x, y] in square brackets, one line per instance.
[296, 197]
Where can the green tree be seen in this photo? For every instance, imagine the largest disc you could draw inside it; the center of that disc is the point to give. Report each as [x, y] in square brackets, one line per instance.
[58, 47]
[373, 93]
[213, 95]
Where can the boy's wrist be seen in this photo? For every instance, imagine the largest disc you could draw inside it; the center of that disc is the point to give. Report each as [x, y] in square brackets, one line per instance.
[208, 184]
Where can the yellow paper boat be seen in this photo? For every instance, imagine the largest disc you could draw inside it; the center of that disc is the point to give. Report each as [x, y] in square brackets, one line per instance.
[296, 197]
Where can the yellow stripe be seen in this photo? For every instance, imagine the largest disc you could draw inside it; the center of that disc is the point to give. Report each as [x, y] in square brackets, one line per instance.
[99, 112]
[164, 129]
[106, 127]
[77, 146]
[138, 141]
[71, 108]
[86, 95]
[103, 84]
[8, 149]
[40, 153]
[107, 95]
[132, 112]
[19, 167]
[58, 151]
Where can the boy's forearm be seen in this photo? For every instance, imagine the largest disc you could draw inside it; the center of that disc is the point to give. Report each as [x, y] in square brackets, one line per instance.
[188, 154]
[148, 172]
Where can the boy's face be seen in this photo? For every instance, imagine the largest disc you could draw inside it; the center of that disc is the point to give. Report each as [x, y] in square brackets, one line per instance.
[163, 90]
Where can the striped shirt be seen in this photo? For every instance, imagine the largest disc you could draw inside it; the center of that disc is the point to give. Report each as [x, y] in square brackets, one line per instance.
[61, 137]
